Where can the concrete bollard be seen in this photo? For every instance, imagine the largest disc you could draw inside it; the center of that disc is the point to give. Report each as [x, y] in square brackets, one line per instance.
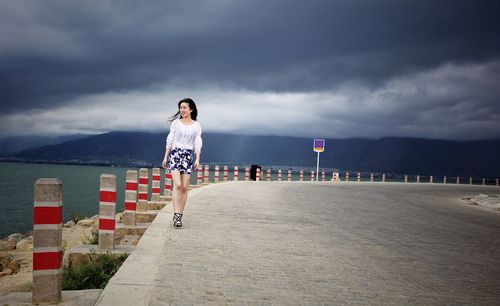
[268, 175]
[155, 185]
[280, 175]
[216, 174]
[301, 175]
[47, 241]
[431, 178]
[458, 180]
[247, 174]
[226, 169]
[289, 175]
[257, 176]
[335, 176]
[496, 182]
[130, 198]
[235, 173]
[142, 203]
[323, 177]
[406, 178]
[444, 179]
[312, 176]
[484, 182]
[418, 178]
[199, 175]
[371, 177]
[347, 176]
[470, 180]
[383, 177]
[167, 186]
[359, 177]
[206, 176]
[107, 211]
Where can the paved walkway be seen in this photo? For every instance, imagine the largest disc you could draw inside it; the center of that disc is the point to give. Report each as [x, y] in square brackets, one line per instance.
[281, 243]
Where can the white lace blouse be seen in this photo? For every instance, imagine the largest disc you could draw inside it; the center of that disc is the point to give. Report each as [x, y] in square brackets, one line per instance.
[184, 136]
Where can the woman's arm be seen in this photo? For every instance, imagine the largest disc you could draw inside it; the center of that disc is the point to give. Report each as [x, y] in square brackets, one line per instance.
[197, 161]
[164, 162]
[198, 143]
[169, 143]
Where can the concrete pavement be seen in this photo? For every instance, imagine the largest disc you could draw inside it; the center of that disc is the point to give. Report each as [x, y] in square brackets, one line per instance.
[292, 243]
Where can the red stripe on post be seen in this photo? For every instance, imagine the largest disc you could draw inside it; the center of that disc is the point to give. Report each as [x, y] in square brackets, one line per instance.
[156, 177]
[143, 180]
[130, 206]
[155, 190]
[131, 186]
[107, 224]
[168, 175]
[47, 215]
[107, 196]
[143, 196]
[47, 260]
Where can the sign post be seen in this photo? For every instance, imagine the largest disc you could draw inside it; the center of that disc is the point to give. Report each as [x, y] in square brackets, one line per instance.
[318, 146]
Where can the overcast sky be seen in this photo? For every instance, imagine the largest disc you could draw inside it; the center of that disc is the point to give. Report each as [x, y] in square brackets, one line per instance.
[312, 68]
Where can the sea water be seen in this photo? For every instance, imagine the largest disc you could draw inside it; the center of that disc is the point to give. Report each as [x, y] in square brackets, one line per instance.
[80, 192]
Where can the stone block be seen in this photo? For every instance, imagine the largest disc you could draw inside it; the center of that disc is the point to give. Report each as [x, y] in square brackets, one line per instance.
[142, 206]
[156, 205]
[165, 198]
[145, 217]
[47, 288]
[128, 218]
[129, 235]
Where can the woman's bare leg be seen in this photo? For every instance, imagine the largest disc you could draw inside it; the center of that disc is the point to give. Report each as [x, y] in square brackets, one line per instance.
[176, 190]
[185, 187]
[180, 188]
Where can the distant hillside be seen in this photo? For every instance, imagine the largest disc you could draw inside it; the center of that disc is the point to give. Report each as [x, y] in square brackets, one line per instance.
[12, 145]
[392, 155]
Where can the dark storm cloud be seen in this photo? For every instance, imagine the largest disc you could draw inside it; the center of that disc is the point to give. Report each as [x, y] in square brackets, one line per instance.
[54, 51]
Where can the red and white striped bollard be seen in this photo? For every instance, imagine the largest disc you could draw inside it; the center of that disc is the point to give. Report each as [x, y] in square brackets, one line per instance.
[235, 173]
[247, 174]
[107, 211]
[130, 205]
[142, 202]
[167, 186]
[199, 175]
[155, 185]
[206, 176]
[216, 174]
[47, 241]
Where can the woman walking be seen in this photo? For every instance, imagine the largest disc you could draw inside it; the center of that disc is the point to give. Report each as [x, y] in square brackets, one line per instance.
[183, 141]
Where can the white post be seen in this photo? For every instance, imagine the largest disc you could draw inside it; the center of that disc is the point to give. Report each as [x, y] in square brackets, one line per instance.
[317, 168]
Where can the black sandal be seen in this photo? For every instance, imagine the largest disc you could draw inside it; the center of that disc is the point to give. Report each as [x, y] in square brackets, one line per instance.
[177, 220]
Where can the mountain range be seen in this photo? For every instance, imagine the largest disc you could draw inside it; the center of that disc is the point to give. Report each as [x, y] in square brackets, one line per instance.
[389, 154]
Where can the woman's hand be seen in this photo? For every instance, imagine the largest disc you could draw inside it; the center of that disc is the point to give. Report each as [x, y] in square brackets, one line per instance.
[164, 163]
[196, 164]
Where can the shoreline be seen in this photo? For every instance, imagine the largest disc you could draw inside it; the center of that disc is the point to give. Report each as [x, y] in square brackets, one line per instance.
[16, 253]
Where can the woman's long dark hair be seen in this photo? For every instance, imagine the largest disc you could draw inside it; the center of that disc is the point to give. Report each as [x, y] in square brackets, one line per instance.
[192, 106]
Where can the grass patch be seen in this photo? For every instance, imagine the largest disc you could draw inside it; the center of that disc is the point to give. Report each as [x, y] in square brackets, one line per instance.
[92, 239]
[94, 274]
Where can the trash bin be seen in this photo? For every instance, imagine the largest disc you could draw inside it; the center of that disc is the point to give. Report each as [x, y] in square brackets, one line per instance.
[253, 172]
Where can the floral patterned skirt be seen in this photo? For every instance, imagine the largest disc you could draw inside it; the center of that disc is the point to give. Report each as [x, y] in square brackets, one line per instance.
[180, 160]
